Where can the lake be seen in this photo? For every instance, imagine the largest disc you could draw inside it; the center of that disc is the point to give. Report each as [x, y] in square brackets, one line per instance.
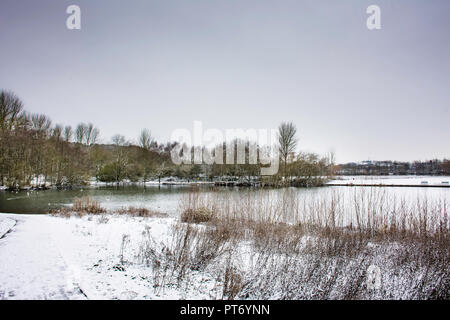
[167, 198]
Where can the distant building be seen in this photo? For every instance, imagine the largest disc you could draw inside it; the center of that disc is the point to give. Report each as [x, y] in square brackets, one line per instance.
[388, 167]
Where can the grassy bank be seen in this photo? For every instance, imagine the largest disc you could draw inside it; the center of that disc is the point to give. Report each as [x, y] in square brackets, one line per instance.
[282, 247]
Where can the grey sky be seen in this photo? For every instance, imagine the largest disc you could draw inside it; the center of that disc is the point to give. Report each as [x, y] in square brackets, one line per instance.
[364, 94]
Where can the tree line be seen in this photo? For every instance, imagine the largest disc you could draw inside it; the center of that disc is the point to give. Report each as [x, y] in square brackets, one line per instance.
[35, 151]
[431, 167]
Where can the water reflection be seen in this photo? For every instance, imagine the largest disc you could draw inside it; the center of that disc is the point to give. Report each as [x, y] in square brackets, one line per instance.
[167, 198]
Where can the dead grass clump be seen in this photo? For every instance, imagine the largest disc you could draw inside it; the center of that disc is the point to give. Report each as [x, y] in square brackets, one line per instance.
[86, 205]
[80, 207]
[232, 284]
[141, 212]
[279, 237]
[103, 219]
[62, 212]
[197, 215]
[190, 249]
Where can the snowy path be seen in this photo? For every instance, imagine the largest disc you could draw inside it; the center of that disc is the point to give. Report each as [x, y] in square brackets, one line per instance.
[31, 265]
[6, 224]
[93, 257]
[46, 257]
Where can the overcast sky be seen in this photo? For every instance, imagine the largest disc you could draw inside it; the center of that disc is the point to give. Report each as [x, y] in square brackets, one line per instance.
[381, 94]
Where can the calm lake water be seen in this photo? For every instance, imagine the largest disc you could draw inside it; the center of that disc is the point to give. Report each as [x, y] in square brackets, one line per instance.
[167, 198]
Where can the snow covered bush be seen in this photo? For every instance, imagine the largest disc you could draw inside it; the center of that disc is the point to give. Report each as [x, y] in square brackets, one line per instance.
[197, 215]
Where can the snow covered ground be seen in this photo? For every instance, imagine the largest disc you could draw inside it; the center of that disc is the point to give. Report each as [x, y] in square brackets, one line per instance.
[164, 181]
[6, 225]
[46, 257]
[122, 257]
[31, 266]
[392, 180]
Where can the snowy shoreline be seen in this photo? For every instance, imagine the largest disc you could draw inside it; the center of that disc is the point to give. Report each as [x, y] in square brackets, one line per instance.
[391, 181]
[370, 181]
[113, 256]
[46, 257]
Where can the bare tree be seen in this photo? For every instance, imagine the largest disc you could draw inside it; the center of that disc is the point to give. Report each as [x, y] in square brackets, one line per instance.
[10, 109]
[120, 162]
[11, 113]
[91, 134]
[67, 134]
[95, 135]
[161, 170]
[331, 163]
[287, 141]
[145, 139]
[41, 123]
[57, 131]
[119, 140]
[80, 132]
[146, 142]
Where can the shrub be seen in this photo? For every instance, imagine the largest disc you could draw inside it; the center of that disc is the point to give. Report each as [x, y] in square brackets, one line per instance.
[87, 205]
[197, 215]
[141, 212]
[81, 206]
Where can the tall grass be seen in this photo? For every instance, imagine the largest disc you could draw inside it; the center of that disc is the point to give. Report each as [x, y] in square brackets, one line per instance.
[282, 245]
[88, 206]
[370, 212]
[265, 247]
